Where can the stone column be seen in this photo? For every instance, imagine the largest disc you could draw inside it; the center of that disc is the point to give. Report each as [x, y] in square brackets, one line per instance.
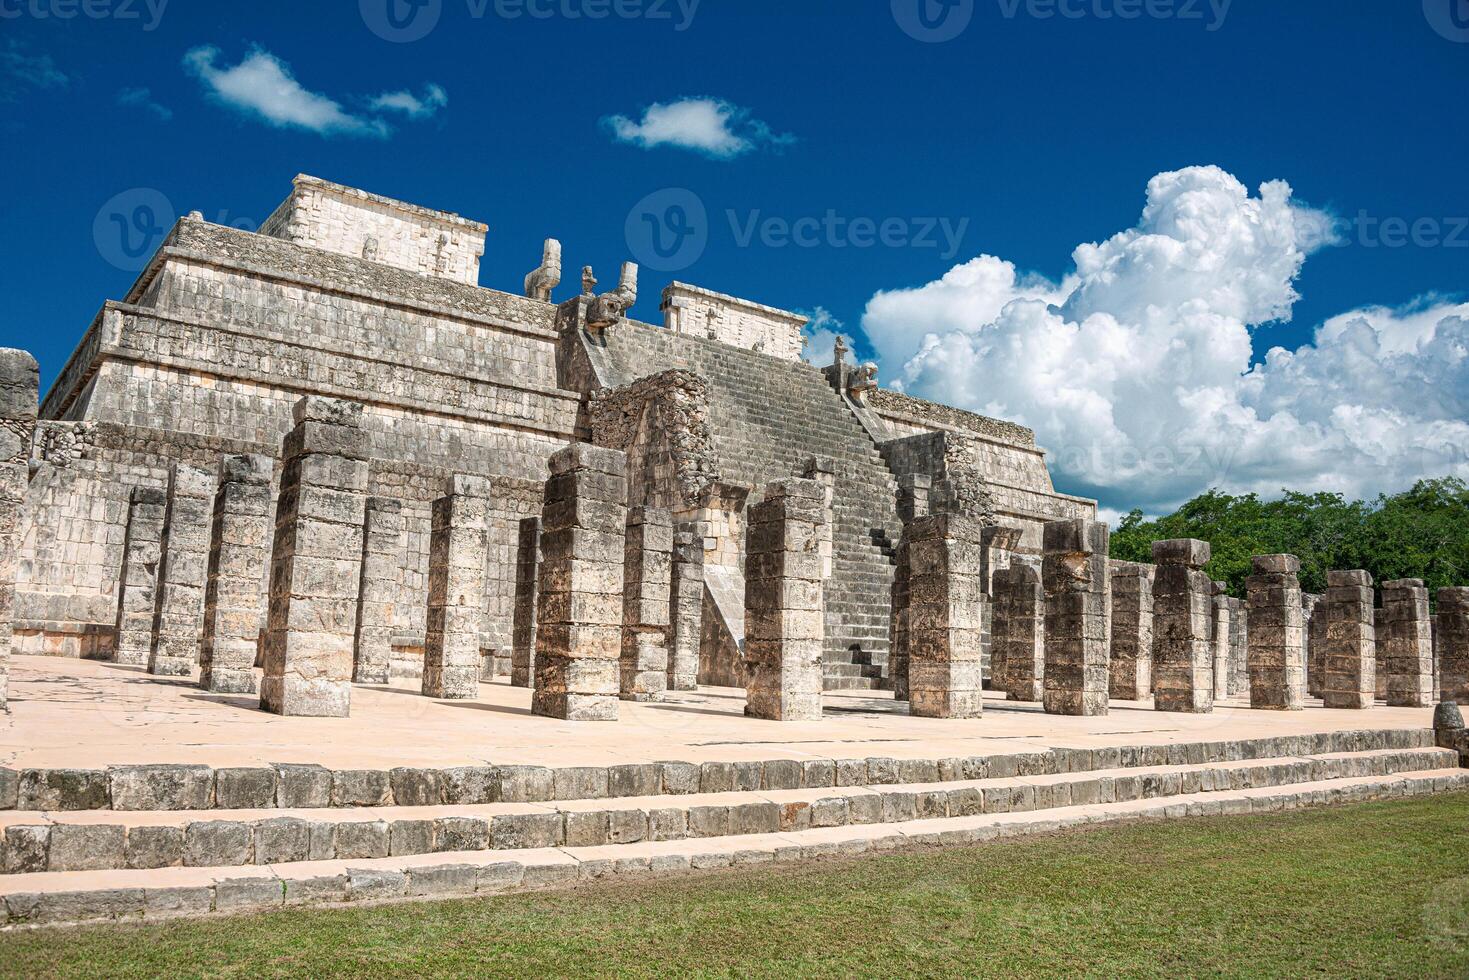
[784, 628]
[1315, 643]
[178, 616]
[1277, 639]
[1349, 679]
[946, 605]
[1239, 649]
[137, 596]
[1219, 640]
[1452, 642]
[1131, 675]
[19, 384]
[1407, 643]
[579, 605]
[913, 492]
[1183, 656]
[686, 607]
[823, 470]
[523, 626]
[646, 601]
[382, 550]
[315, 562]
[456, 589]
[239, 551]
[997, 544]
[1020, 632]
[1078, 584]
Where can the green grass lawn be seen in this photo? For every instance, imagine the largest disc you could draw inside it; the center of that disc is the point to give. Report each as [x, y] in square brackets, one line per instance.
[1376, 889]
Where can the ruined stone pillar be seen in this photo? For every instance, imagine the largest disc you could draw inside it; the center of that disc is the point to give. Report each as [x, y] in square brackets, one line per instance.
[784, 628]
[315, 561]
[997, 543]
[579, 601]
[913, 494]
[456, 589]
[1183, 656]
[1131, 673]
[19, 384]
[686, 607]
[239, 551]
[1452, 642]
[382, 548]
[178, 615]
[1239, 643]
[1349, 659]
[137, 596]
[1078, 585]
[945, 665]
[1277, 639]
[1407, 643]
[646, 600]
[523, 625]
[823, 470]
[1219, 640]
[1315, 610]
[1019, 653]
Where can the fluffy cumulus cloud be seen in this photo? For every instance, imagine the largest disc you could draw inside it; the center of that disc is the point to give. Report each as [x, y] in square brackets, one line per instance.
[1137, 373]
[713, 127]
[263, 86]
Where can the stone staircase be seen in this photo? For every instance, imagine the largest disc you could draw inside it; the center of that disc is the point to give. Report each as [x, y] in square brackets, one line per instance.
[769, 416]
[314, 836]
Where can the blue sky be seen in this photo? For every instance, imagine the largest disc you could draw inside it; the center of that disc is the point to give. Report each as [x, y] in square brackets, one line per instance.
[1032, 133]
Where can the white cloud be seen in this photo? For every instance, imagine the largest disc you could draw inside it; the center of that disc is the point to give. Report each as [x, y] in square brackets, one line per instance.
[705, 125]
[433, 99]
[1135, 371]
[263, 86]
[19, 70]
[142, 98]
[822, 330]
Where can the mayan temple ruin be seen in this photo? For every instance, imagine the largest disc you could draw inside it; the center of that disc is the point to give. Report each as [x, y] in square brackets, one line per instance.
[313, 528]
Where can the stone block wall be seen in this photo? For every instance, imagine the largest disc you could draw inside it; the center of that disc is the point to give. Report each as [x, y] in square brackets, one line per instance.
[1452, 642]
[178, 615]
[1183, 655]
[348, 221]
[382, 558]
[1131, 674]
[456, 590]
[731, 320]
[239, 547]
[1406, 644]
[1277, 634]
[946, 606]
[523, 630]
[1077, 580]
[19, 379]
[142, 554]
[647, 597]
[1018, 655]
[1349, 657]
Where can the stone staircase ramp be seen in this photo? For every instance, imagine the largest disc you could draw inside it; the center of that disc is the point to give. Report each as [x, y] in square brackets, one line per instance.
[768, 417]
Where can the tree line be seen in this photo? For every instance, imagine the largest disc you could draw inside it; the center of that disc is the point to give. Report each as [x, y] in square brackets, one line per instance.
[1419, 533]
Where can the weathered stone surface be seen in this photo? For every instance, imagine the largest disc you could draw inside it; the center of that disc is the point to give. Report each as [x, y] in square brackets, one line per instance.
[1406, 647]
[1452, 640]
[382, 543]
[456, 591]
[583, 537]
[178, 613]
[1277, 656]
[161, 787]
[218, 843]
[783, 602]
[523, 627]
[1077, 583]
[155, 847]
[1183, 657]
[142, 552]
[316, 563]
[63, 789]
[239, 552]
[26, 848]
[19, 377]
[1131, 666]
[646, 603]
[1349, 658]
[303, 785]
[686, 607]
[946, 606]
[245, 788]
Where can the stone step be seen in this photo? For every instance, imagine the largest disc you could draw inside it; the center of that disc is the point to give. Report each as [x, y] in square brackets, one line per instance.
[98, 840]
[201, 787]
[111, 895]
